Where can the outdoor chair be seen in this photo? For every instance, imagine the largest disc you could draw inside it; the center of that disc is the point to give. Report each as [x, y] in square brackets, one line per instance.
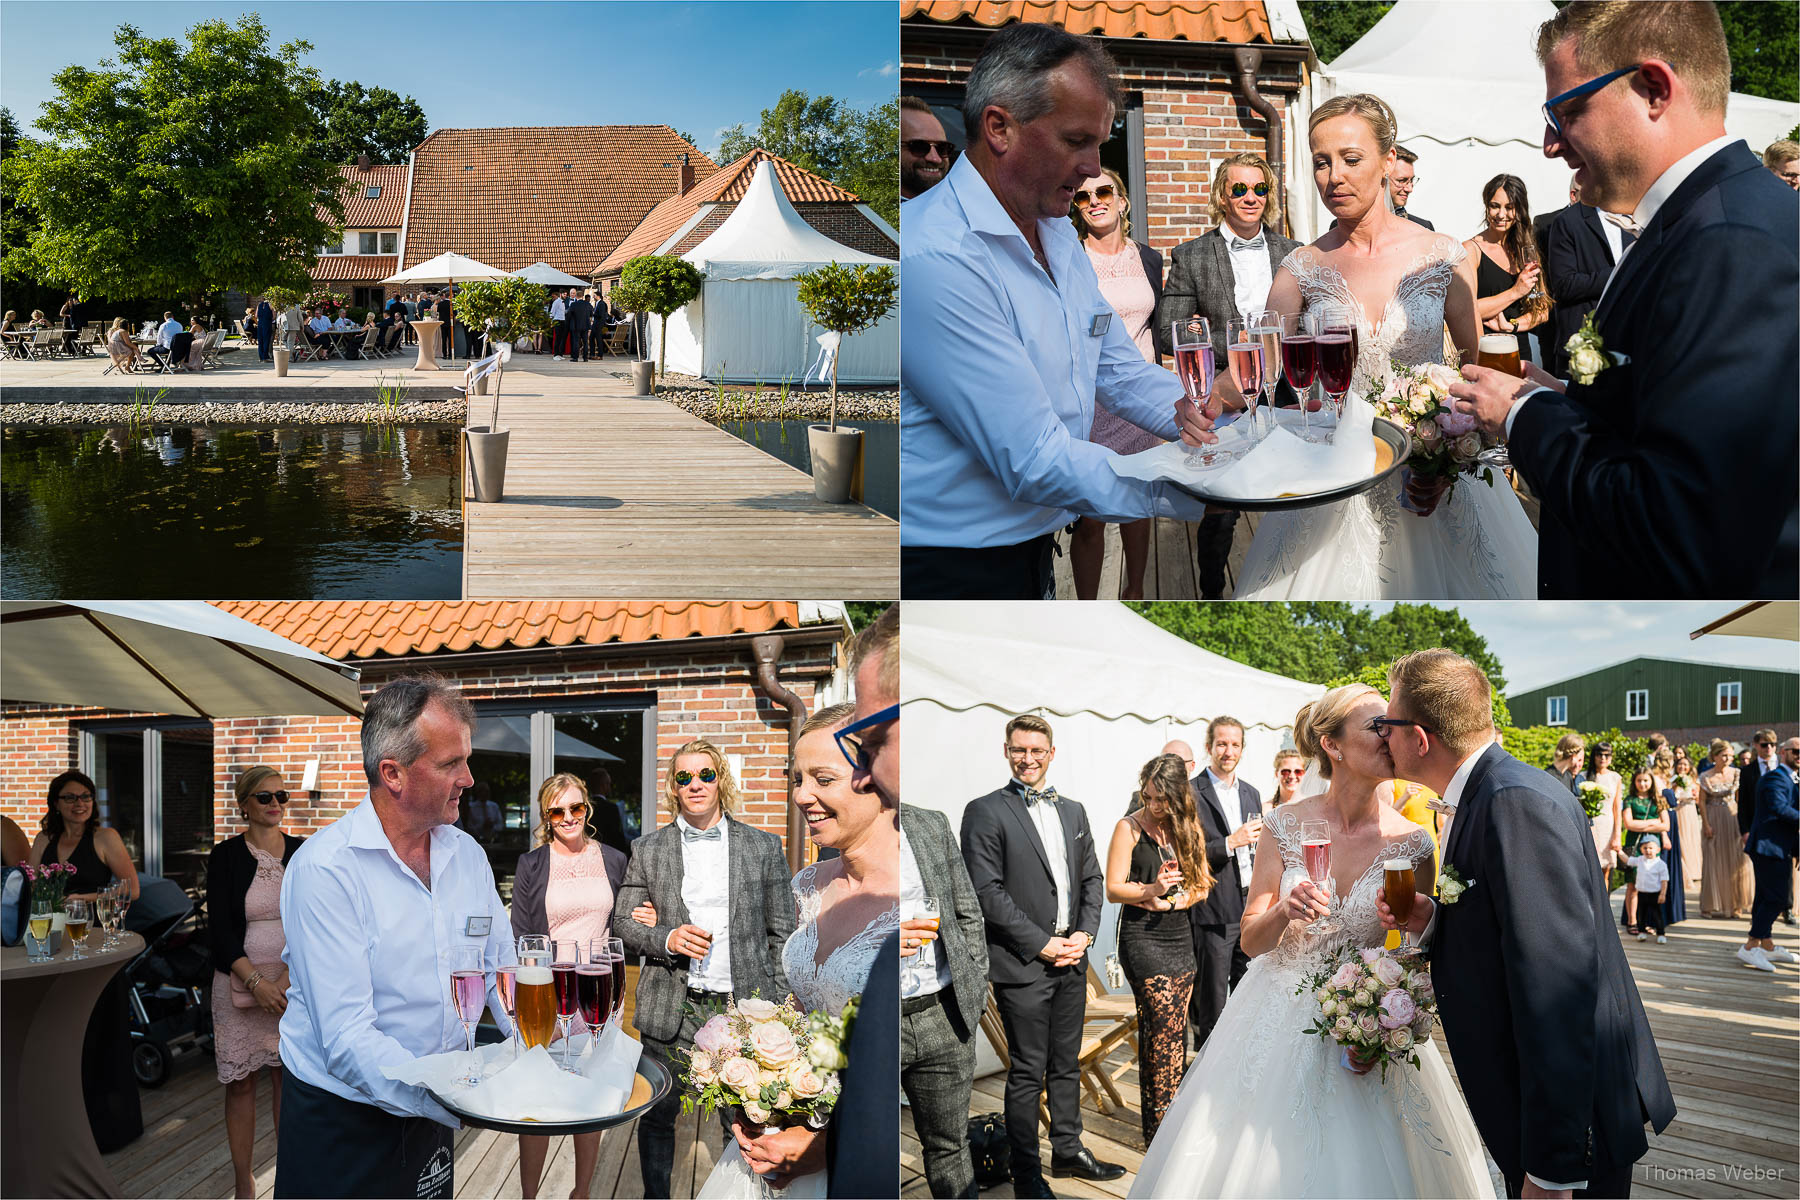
[210, 348]
[176, 358]
[45, 343]
[299, 349]
[368, 348]
[618, 341]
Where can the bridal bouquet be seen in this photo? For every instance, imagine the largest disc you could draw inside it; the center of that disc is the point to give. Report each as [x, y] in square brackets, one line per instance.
[1378, 1007]
[1446, 444]
[1593, 799]
[776, 1063]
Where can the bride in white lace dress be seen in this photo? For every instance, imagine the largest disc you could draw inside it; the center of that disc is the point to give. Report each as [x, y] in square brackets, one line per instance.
[1478, 543]
[847, 906]
[1268, 1109]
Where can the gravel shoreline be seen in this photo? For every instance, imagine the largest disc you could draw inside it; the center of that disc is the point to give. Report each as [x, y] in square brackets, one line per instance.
[700, 398]
[258, 413]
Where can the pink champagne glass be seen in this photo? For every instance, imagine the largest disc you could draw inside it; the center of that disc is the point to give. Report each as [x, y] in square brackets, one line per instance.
[1194, 366]
[1336, 340]
[565, 956]
[1315, 851]
[1300, 362]
[468, 989]
[1244, 350]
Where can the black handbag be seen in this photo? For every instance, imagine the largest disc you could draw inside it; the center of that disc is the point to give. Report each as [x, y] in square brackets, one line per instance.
[989, 1150]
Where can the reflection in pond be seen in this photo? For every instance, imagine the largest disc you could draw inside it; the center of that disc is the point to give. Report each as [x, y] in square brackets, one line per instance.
[317, 511]
[786, 440]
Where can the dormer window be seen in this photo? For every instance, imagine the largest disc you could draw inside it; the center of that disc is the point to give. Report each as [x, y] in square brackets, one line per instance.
[374, 192]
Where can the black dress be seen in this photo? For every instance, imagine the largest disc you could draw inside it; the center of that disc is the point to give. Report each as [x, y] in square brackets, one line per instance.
[91, 873]
[1157, 951]
[1152, 943]
[1491, 279]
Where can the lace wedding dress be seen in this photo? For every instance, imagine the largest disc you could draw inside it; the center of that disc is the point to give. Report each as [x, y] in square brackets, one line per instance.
[1477, 545]
[819, 984]
[1269, 1110]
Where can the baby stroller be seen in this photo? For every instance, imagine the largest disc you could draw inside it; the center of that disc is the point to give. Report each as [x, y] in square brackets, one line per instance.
[171, 1009]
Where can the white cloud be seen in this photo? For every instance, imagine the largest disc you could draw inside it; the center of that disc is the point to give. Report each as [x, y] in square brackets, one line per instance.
[886, 70]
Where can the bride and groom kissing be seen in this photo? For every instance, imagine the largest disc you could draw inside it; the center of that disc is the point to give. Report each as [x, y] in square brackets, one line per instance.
[1558, 1069]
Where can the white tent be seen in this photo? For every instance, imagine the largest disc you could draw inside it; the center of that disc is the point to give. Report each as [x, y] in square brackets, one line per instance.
[549, 276]
[747, 323]
[1464, 82]
[1113, 686]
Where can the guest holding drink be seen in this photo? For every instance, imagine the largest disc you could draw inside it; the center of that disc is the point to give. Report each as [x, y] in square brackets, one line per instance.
[1725, 881]
[373, 906]
[1156, 870]
[1290, 771]
[71, 833]
[1641, 812]
[1508, 265]
[249, 994]
[564, 888]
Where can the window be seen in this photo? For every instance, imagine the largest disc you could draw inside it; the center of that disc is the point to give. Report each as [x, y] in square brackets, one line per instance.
[1558, 711]
[156, 788]
[334, 248]
[365, 243]
[368, 297]
[390, 243]
[374, 192]
[1731, 699]
[1637, 704]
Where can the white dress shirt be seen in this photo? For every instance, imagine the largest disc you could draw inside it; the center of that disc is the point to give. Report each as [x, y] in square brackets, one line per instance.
[1048, 822]
[1001, 366]
[1251, 275]
[706, 890]
[369, 955]
[1615, 238]
[166, 332]
[319, 324]
[558, 309]
[1645, 212]
[1231, 801]
[1652, 873]
[928, 972]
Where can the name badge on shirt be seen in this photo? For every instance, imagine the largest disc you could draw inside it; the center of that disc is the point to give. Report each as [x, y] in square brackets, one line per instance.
[1100, 324]
[477, 927]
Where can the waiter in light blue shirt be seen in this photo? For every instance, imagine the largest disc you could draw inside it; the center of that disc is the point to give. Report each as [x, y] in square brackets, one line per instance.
[1007, 343]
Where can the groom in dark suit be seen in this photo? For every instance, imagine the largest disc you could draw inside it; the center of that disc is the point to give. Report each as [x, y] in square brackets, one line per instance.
[1538, 1005]
[722, 899]
[1031, 859]
[1685, 419]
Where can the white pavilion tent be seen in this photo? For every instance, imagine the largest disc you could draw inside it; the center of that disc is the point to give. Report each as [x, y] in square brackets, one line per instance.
[747, 323]
[1464, 83]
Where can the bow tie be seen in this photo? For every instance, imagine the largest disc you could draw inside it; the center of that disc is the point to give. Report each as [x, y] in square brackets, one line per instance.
[1047, 796]
[702, 835]
[1624, 222]
[1399, 210]
[1255, 243]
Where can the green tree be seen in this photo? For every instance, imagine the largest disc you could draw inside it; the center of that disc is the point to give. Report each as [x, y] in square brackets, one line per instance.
[660, 284]
[178, 170]
[1376, 676]
[1335, 25]
[847, 300]
[17, 219]
[857, 150]
[350, 119]
[514, 306]
[1764, 40]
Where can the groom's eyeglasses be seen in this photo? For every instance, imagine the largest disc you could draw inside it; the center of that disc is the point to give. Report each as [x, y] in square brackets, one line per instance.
[1237, 190]
[1576, 93]
[1381, 727]
[854, 746]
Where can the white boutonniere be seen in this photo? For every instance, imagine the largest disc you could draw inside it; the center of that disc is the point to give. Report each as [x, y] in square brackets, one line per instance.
[1588, 355]
[1452, 885]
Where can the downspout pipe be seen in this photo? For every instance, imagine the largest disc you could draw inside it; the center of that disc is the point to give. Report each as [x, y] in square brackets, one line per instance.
[1249, 62]
[766, 649]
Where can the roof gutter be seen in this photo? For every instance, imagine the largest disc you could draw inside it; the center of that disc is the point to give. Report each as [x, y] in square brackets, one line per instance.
[1249, 61]
[766, 649]
[726, 645]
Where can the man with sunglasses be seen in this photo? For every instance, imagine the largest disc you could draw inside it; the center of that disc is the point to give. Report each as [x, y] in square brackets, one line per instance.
[1697, 317]
[1538, 1005]
[1774, 842]
[925, 150]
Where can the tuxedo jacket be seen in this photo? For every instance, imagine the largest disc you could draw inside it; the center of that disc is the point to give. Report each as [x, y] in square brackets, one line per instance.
[961, 937]
[1201, 284]
[1538, 1005]
[1224, 905]
[1777, 829]
[580, 313]
[1010, 870]
[1577, 261]
[762, 917]
[1748, 778]
[1699, 422]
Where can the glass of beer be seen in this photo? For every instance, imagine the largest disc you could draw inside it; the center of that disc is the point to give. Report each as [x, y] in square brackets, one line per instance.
[77, 924]
[1501, 352]
[534, 992]
[1399, 885]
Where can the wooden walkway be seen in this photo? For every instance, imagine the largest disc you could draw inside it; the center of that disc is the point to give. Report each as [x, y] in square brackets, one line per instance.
[183, 1153]
[610, 495]
[1729, 1040]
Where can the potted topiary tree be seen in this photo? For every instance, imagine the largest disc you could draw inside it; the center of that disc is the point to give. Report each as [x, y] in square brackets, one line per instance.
[281, 299]
[515, 308]
[660, 284]
[630, 298]
[842, 301]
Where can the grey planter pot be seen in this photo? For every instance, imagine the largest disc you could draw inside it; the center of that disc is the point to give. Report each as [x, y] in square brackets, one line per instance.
[281, 361]
[487, 462]
[643, 377]
[481, 386]
[836, 462]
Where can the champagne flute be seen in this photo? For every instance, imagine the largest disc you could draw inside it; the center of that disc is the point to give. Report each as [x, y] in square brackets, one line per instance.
[565, 956]
[1335, 338]
[1266, 327]
[468, 989]
[923, 908]
[1244, 350]
[41, 920]
[1300, 362]
[77, 926]
[1194, 366]
[595, 980]
[1399, 886]
[103, 910]
[1315, 849]
[506, 985]
[615, 954]
[1166, 853]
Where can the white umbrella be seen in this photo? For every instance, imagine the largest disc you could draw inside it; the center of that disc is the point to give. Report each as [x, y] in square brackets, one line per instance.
[182, 657]
[452, 268]
[1779, 619]
[549, 276]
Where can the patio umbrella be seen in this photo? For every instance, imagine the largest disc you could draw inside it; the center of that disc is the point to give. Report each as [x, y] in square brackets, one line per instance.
[182, 657]
[1779, 619]
[452, 268]
[549, 276]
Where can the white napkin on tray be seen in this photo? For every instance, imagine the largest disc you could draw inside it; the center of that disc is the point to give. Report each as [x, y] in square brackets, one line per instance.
[1282, 464]
[533, 1088]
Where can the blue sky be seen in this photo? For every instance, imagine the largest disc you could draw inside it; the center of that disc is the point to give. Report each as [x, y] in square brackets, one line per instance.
[698, 67]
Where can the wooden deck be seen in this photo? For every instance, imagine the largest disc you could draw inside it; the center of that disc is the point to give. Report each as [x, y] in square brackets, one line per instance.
[183, 1153]
[1729, 1039]
[611, 495]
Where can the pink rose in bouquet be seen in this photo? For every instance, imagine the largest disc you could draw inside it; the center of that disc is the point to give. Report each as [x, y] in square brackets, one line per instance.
[1388, 971]
[714, 1037]
[741, 1076]
[1347, 977]
[1374, 1005]
[774, 1044]
[1397, 1009]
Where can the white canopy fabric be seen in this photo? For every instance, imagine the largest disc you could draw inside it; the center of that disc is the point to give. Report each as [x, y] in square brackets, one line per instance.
[549, 276]
[1778, 619]
[1113, 686]
[1465, 85]
[183, 657]
[448, 267]
[765, 238]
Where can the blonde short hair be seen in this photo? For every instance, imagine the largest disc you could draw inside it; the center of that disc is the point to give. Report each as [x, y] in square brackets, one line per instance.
[1448, 693]
[1215, 200]
[251, 779]
[1784, 151]
[1325, 718]
[728, 791]
[1610, 34]
[826, 718]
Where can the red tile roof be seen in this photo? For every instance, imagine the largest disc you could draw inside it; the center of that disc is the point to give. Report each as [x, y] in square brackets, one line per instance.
[354, 268]
[382, 212]
[352, 629]
[1240, 21]
[510, 197]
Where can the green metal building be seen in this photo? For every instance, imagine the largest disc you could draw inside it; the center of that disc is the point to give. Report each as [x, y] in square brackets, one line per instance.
[1688, 701]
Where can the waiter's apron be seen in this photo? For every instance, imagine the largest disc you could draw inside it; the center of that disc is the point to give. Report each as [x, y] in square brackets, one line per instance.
[330, 1146]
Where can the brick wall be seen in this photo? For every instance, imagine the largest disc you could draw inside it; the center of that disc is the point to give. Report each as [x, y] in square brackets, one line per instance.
[709, 694]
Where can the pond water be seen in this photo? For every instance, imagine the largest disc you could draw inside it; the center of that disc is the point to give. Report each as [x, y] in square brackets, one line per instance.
[786, 440]
[180, 512]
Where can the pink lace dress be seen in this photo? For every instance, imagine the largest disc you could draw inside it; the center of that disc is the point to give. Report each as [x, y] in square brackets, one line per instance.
[1125, 287]
[247, 1039]
[578, 901]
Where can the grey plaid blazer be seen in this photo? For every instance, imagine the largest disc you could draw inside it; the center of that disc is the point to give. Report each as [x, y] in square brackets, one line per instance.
[962, 932]
[1201, 284]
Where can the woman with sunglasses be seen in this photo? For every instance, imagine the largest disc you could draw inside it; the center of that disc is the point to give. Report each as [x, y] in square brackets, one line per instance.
[71, 833]
[564, 888]
[1606, 827]
[249, 994]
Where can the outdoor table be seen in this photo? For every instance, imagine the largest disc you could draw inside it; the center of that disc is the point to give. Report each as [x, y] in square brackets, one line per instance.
[47, 1147]
[428, 341]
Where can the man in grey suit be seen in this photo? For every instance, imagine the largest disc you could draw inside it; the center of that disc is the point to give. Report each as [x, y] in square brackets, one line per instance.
[1225, 273]
[719, 904]
[943, 989]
